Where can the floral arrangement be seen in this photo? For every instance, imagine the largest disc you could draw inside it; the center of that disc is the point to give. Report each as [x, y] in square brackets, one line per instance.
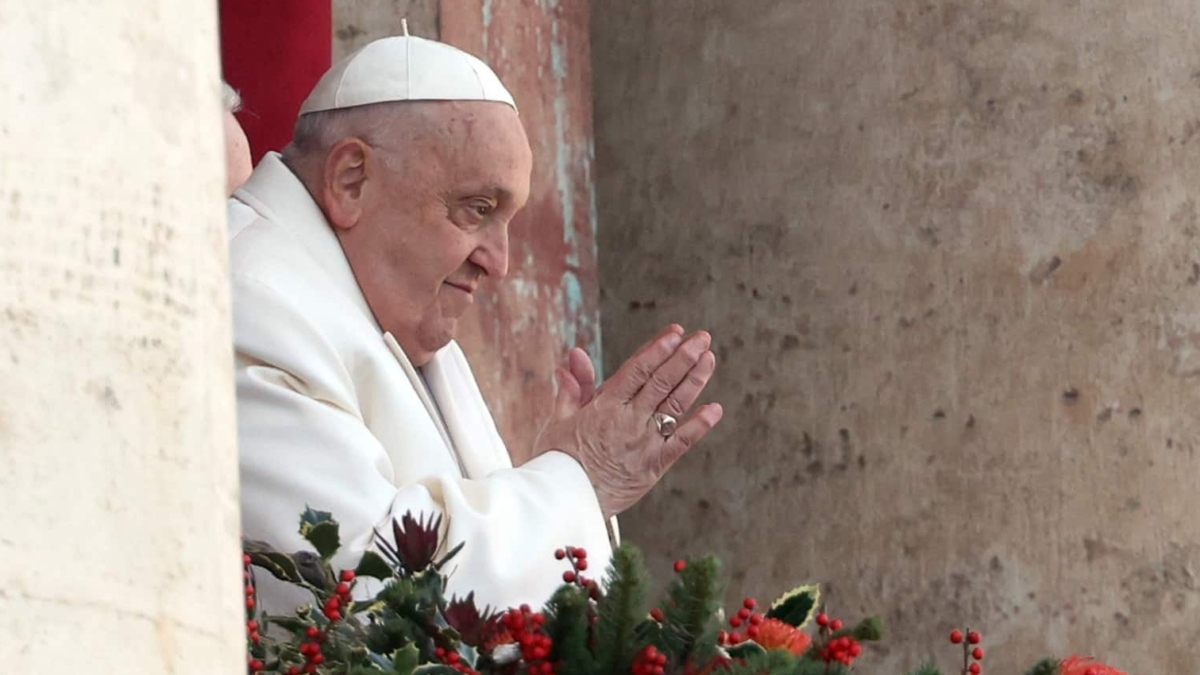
[410, 627]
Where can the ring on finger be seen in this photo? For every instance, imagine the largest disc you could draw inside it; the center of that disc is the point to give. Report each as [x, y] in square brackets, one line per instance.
[665, 423]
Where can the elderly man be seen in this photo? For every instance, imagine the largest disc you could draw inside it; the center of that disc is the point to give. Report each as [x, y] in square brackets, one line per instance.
[237, 147]
[353, 256]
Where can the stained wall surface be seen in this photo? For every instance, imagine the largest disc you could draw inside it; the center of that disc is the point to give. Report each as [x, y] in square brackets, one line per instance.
[948, 254]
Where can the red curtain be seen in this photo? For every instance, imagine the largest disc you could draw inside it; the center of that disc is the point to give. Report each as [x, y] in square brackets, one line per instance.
[273, 52]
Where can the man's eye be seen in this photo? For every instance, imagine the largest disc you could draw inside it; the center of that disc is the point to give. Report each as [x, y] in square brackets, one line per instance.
[482, 208]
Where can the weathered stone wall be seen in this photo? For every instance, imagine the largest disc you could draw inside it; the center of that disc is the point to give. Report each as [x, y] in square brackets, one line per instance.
[948, 254]
[119, 545]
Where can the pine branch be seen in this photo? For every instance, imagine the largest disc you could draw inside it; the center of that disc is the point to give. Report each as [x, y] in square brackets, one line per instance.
[773, 662]
[1045, 667]
[567, 625]
[690, 615]
[620, 612]
[926, 669]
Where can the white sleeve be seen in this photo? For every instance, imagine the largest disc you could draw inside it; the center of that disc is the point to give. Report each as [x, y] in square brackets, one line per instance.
[303, 443]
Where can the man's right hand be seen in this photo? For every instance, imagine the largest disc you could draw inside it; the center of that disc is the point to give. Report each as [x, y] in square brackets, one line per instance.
[611, 432]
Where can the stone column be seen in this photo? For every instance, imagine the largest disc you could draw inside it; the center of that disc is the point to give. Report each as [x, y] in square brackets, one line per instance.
[948, 253]
[119, 545]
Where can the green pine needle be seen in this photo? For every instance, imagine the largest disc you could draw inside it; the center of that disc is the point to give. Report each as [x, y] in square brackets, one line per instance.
[1045, 667]
[926, 669]
[773, 662]
[622, 609]
[690, 625]
[567, 626]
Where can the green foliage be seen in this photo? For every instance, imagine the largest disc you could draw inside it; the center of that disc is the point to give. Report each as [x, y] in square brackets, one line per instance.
[623, 609]
[797, 606]
[409, 626]
[1045, 667]
[567, 624]
[690, 627]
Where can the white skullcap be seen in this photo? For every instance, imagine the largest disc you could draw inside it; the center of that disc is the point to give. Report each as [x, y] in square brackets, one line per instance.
[405, 68]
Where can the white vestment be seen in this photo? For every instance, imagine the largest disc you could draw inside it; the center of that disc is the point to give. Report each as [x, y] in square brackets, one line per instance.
[333, 416]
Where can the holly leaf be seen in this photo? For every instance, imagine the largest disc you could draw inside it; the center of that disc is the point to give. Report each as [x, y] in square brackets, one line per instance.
[291, 623]
[280, 565]
[406, 659]
[373, 565]
[434, 669]
[311, 518]
[745, 650]
[324, 537]
[796, 607]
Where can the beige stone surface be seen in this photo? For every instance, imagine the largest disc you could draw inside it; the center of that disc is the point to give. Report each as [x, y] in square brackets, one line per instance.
[948, 252]
[357, 22]
[119, 546]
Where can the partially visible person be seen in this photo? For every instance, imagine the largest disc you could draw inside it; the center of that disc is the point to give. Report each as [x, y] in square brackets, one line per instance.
[237, 148]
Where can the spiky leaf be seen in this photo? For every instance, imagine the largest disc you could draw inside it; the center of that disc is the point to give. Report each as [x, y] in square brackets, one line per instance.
[405, 659]
[373, 565]
[324, 538]
[797, 606]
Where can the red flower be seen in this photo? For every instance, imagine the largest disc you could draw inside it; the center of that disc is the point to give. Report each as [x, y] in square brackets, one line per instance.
[775, 634]
[1080, 665]
[473, 626]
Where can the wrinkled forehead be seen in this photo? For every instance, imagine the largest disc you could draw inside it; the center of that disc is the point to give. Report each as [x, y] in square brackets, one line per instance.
[480, 141]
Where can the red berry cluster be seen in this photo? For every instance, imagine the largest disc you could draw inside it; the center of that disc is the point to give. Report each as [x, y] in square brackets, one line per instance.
[254, 665]
[342, 597]
[454, 660]
[525, 627]
[310, 649]
[579, 564]
[842, 649]
[746, 616]
[649, 661]
[971, 650]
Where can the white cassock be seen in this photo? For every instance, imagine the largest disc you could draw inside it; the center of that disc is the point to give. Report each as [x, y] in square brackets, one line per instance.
[333, 416]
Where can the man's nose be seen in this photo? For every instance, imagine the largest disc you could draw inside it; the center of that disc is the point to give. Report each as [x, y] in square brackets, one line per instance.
[492, 254]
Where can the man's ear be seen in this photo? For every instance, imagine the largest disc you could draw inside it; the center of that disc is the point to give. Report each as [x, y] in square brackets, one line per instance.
[344, 177]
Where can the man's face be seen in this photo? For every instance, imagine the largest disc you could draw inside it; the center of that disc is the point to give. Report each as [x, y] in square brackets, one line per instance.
[434, 219]
[237, 155]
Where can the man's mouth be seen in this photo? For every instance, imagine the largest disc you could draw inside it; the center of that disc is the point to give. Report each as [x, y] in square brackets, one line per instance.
[469, 289]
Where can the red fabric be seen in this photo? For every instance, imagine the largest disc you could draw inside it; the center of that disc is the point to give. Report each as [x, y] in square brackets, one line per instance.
[273, 52]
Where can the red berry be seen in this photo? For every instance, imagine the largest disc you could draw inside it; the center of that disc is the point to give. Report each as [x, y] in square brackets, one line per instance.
[974, 637]
[752, 632]
[318, 659]
[294, 670]
[255, 665]
[581, 564]
[569, 577]
[956, 636]
[855, 650]
[348, 575]
[580, 553]
[251, 626]
[836, 624]
[680, 565]
[249, 603]
[977, 653]
[749, 603]
[735, 622]
[560, 554]
[343, 588]
[312, 632]
[310, 668]
[657, 615]
[743, 614]
[822, 619]
[975, 669]
[246, 559]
